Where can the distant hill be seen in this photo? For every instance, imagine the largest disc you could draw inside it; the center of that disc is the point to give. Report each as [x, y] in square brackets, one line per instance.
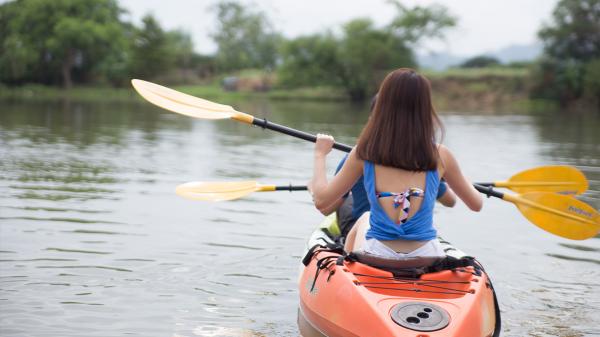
[439, 61]
[518, 52]
[512, 53]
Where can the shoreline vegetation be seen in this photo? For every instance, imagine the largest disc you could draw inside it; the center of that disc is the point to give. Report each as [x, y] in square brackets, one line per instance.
[475, 90]
[90, 47]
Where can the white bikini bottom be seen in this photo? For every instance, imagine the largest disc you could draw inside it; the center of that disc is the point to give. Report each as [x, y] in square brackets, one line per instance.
[376, 247]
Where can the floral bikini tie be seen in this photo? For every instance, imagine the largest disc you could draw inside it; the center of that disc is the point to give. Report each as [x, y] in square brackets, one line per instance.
[402, 199]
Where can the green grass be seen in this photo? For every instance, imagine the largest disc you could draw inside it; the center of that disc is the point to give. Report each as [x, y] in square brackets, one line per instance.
[126, 94]
[35, 92]
[473, 73]
[456, 88]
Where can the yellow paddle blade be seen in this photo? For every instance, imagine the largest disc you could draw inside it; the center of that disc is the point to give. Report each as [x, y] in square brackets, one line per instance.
[182, 103]
[558, 179]
[220, 191]
[216, 191]
[558, 214]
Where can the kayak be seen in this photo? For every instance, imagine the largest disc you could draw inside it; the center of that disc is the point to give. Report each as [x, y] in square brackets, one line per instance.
[342, 295]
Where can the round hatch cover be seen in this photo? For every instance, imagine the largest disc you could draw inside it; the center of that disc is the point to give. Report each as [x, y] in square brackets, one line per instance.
[420, 316]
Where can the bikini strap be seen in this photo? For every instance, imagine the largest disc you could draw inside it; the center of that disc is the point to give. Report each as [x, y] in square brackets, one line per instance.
[402, 199]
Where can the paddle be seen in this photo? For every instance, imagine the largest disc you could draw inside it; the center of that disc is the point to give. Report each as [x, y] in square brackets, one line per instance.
[559, 178]
[188, 105]
[549, 210]
[221, 191]
[558, 214]
[554, 213]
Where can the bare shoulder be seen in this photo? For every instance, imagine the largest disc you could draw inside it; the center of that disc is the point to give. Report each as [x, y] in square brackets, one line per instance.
[443, 150]
[445, 159]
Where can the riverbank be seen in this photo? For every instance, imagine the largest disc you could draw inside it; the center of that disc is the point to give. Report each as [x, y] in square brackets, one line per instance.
[208, 91]
[485, 90]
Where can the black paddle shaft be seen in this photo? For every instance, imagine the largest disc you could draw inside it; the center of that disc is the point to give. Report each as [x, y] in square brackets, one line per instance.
[488, 190]
[263, 123]
[291, 187]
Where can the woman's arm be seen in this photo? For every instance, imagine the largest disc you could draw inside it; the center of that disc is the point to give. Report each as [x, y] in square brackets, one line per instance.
[327, 195]
[457, 181]
[448, 198]
[331, 208]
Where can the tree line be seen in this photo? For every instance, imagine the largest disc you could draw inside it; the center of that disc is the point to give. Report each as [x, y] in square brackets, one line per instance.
[78, 41]
[66, 42]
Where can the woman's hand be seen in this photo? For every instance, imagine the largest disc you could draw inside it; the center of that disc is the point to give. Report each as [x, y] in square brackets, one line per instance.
[323, 145]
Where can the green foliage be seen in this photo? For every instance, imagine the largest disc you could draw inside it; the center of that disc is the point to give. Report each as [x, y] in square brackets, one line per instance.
[357, 59]
[519, 64]
[310, 60]
[66, 41]
[412, 25]
[482, 61]
[45, 41]
[591, 80]
[571, 46]
[557, 80]
[151, 52]
[367, 53]
[574, 34]
[244, 39]
[478, 73]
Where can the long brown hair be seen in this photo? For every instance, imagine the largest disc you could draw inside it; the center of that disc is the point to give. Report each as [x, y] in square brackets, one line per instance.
[401, 131]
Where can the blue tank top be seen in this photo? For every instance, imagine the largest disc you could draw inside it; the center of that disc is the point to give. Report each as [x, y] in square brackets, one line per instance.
[418, 228]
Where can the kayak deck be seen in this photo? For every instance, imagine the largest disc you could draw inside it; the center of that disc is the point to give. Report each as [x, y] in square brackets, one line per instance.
[354, 299]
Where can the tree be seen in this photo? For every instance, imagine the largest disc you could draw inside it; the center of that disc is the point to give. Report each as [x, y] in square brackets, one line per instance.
[571, 44]
[574, 32]
[357, 59]
[310, 60]
[367, 53]
[591, 81]
[151, 52]
[182, 48]
[47, 40]
[480, 62]
[413, 25]
[244, 39]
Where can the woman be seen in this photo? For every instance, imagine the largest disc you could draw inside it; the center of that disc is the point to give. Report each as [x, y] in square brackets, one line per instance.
[402, 166]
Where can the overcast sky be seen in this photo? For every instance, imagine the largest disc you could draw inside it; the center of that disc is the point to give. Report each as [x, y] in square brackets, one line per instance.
[483, 25]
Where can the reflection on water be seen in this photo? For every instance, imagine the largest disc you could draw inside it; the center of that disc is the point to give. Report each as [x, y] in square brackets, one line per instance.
[94, 241]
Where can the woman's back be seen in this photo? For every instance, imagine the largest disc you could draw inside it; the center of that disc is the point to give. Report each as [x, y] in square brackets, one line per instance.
[402, 204]
[389, 179]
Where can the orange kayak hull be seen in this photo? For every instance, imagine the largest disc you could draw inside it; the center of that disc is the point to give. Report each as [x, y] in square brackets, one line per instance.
[354, 299]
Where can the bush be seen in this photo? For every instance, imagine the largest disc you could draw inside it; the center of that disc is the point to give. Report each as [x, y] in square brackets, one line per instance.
[591, 81]
[480, 62]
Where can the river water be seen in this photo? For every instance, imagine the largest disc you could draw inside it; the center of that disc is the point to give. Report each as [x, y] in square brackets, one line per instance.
[94, 241]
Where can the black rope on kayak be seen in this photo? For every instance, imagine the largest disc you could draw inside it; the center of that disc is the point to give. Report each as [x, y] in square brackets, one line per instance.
[406, 279]
[324, 263]
[415, 282]
[325, 247]
[327, 261]
[424, 284]
[452, 292]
